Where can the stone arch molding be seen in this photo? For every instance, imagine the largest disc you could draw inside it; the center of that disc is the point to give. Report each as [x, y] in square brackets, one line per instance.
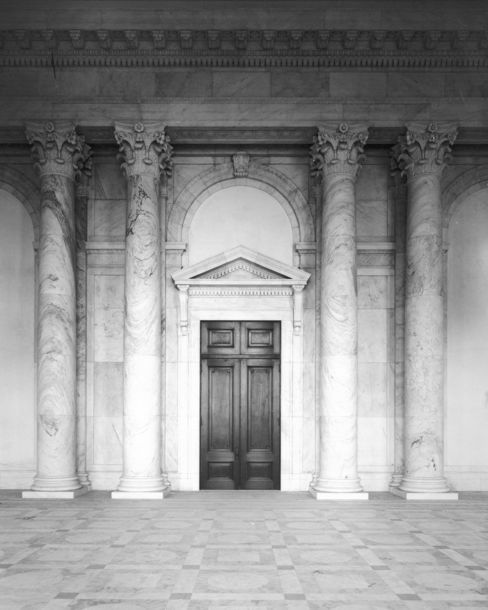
[463, 186]
[19, 185]
[270, 180]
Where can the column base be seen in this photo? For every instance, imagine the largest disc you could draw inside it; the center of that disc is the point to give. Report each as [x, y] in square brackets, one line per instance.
[84, 480]
[339, 495]
[152, 487]
[141, 495]
[424, 495]
[396, 479]
[33, 494]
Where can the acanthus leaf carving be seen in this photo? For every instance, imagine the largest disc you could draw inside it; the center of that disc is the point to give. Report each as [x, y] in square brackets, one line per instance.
[57, 148]
[144, 147]
[338, 151]
[425, 149]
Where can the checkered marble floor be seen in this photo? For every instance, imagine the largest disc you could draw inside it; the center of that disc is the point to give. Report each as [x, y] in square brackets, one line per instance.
[242, 550]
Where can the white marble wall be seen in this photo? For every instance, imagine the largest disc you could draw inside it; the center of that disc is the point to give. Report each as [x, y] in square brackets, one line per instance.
[17, 329]
[106, 290]
[467, 352]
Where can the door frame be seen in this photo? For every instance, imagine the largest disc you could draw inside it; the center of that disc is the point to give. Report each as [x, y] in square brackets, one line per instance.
[274, 294]
[291, 391]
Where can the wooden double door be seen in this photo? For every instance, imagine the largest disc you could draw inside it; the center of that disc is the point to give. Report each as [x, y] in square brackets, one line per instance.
[240, 405]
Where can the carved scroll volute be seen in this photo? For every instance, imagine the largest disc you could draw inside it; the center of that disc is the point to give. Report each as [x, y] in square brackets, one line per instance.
[425, 149]
[56, 147]
[144, 148]
[338, 151]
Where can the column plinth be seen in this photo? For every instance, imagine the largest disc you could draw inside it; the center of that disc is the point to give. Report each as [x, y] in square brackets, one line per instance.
[422, 156]
[336, 154]
[59, 153]
[145, 154]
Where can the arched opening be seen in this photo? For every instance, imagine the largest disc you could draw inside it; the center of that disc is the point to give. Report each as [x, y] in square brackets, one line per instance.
[17, 365]
[240, 216]
[467, 346]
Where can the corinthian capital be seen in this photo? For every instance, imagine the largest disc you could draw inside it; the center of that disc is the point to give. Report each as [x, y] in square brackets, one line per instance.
[338, 151]
[425, 149]
[57, 148]
[144, 148]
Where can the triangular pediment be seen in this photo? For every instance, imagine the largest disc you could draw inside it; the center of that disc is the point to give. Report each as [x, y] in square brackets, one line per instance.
[240, 266]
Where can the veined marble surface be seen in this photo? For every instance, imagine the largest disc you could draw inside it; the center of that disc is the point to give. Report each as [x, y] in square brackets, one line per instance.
[338, 339]
[423, 154]
[56, 465]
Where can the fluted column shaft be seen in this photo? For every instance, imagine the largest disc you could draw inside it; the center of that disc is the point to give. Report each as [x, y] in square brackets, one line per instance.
[338, 153]
[145, 153]
[423, 156]
[58, 152]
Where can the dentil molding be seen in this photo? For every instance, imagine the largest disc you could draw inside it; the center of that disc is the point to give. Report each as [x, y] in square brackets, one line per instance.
[136, 48]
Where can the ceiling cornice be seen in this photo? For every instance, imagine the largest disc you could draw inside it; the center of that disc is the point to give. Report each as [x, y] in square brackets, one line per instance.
[246, 136]
[369, 49]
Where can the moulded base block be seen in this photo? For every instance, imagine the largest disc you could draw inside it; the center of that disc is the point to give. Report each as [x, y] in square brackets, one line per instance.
[54, 495]
[340, 495]
[424, 495]
[140, 495]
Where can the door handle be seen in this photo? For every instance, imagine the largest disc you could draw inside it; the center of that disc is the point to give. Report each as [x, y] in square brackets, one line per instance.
[236, 452]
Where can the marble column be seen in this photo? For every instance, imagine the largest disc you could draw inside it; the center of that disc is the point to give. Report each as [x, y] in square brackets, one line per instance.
[81, 205]
[399, 194]
[337, 153]
[58, 152]
[423, 155]
[145, 154]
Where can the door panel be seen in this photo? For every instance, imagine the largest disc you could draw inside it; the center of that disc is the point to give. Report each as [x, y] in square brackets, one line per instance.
[240, 404]
[260, 441]
[260, 338]
[220, 393]
[220, 339]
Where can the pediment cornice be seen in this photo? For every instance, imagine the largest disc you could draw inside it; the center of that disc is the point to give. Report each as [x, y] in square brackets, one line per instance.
[136, 48]
[240, 267]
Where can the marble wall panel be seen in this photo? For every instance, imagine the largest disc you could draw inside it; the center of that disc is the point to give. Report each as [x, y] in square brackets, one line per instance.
[171, 328]
[309, 335]
[375, 292]
[295, 169]
[127, 85]
[108, 181]
[373, 326]
[309, 294]
[357, 85]
[17, 339]
[306, 83]
[241, 83]
[183, 83]
[373, 441]
[372, 218]
[108, 318]
[415, 84]
[309, 445]
[107, 441]
[109, 220]
[372, 180]
[309, 394]
[108, 389]
[373, 389]
[170, 437]
[184, 172]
